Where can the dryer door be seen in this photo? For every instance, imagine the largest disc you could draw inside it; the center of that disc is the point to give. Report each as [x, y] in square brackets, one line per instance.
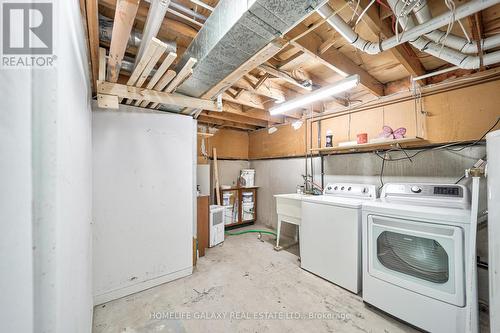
[422, 257]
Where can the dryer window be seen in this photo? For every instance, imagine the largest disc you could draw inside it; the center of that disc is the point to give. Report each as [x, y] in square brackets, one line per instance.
[423, 258]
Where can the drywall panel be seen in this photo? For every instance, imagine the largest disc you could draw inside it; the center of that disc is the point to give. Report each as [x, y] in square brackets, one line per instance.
[46, 187]
[144, 191]
[16, 243]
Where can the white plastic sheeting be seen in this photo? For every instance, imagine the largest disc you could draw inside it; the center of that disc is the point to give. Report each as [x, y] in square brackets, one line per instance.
[144, 167]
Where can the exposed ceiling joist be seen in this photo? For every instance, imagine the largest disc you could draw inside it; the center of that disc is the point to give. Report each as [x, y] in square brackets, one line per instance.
[235, 118]
[124, 91]
[92, 20]
[268, 88]
[224, 123]
[404, 54]
[250, 113]
[125, 13]
[170, 26]
[334, 59]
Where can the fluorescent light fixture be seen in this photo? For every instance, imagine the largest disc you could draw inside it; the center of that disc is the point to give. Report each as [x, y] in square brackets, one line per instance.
[317, 95]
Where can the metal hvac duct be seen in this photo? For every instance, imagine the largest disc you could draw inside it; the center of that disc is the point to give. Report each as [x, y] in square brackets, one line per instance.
[234, 32]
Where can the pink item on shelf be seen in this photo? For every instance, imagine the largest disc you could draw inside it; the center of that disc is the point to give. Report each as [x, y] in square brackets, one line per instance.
[392, 134]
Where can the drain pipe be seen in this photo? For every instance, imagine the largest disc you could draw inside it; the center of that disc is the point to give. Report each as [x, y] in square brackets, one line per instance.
[414, 34]
[452, 56]
[156, 14]
[423, 14]
[411, 34]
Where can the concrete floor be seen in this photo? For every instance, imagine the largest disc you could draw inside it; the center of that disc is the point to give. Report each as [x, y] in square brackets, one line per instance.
[241, 279]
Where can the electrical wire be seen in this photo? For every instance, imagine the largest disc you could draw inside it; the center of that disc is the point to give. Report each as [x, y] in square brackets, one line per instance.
[409, 157]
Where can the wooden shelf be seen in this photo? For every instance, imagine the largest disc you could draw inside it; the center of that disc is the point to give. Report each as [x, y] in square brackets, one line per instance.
[366, 146]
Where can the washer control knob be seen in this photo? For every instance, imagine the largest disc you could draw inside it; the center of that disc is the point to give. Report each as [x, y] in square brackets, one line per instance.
[364, 190]
[349, 188]
[416, 189]
[329, 188]
[336, 188]
[342, 188]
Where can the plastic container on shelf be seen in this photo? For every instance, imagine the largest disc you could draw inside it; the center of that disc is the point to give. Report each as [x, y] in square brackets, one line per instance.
[226, 198]
[248, 211]
[247, 197]
[228, 214]
[249, 177]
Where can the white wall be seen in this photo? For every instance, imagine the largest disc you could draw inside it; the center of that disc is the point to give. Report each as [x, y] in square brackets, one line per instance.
[276, 176]
[46, 188]
[144, 191]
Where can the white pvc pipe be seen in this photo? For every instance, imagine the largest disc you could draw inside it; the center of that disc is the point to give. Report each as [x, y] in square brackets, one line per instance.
[413, 32]
[156, 14]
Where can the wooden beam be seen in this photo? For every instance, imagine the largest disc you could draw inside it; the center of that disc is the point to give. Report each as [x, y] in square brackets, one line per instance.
[476, 26]
[284, 76]
[335, 60]
[125, 91]
[159, 74]
[124, 20]
[224, 123]
[162, 83]
[102, 65]
[268, 88]
[107, 101]
[403, 53]
[180, 77]
[168, 25]
[235, 118]
[246, 98]
[91, 11]
[239, 110]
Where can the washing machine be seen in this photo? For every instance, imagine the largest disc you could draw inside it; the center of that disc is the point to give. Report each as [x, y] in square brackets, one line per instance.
[330, 233]
[415, 241]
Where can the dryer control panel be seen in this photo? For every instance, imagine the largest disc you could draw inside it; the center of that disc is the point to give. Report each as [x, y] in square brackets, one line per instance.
[438, 192]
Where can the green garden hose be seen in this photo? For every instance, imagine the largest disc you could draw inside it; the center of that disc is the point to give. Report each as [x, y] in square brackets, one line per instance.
[250, 231]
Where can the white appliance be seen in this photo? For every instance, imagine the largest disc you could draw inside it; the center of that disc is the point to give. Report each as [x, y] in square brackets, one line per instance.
[415, 240]
[216, 227]
[330, 233]
[493, 150]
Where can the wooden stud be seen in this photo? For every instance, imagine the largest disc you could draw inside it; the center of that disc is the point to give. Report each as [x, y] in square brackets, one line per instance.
[91, 10]
[224, 123]
[335, 60]
[282, 75]
[102, 65]
[107, 101]
[168, 25]
[125, 13]
[162, 83]
[179, 78]
[158, 75]
[125, 91]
